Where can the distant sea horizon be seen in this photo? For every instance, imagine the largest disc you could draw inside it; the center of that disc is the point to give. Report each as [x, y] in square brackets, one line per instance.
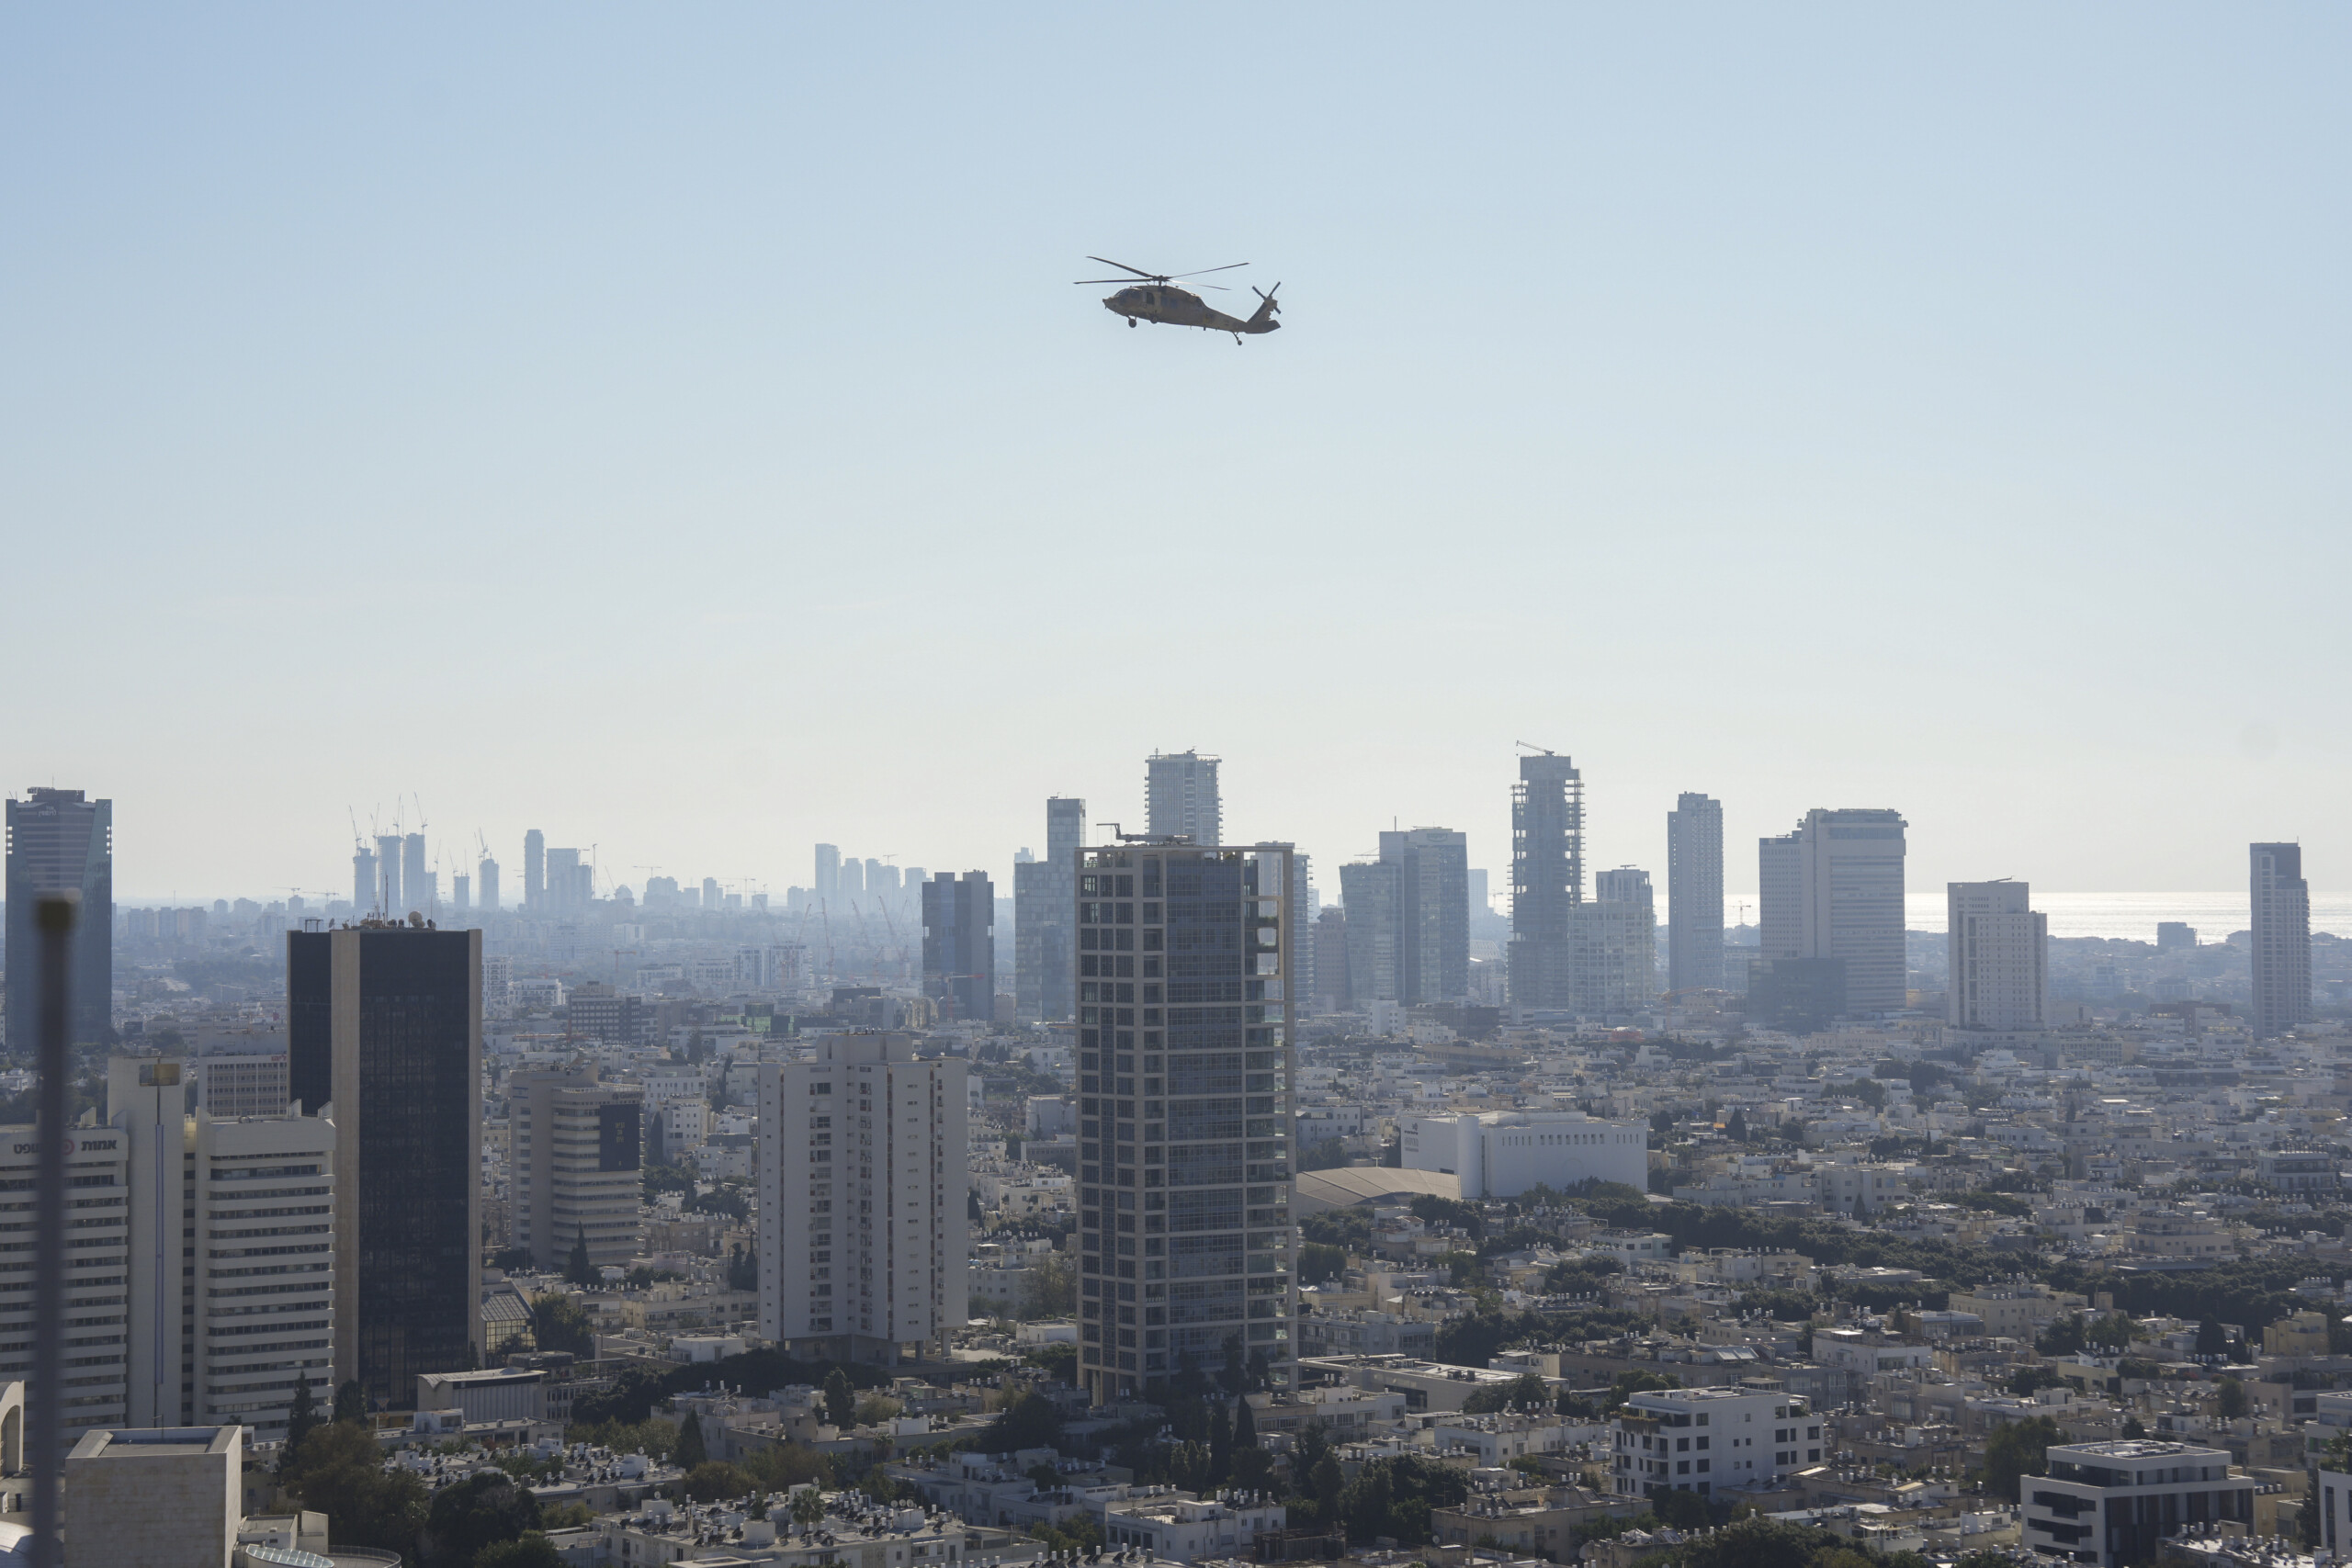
[2131, 916]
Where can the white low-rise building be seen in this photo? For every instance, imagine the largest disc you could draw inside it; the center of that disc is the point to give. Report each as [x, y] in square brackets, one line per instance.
[1184, 1528]
[1711, 1440]
[1501, 1154]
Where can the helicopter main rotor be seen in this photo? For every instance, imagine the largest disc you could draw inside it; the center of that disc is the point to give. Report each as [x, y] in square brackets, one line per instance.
[1143, 276]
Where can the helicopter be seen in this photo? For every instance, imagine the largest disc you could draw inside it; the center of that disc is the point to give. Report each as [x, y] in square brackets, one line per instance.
[1156, 299]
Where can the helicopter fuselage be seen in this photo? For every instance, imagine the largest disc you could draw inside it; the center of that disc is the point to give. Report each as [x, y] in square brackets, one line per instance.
[1165, 305]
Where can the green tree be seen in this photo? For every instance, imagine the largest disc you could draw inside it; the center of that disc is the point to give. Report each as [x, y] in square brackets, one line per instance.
[1317, 1262]
[2230, 1399]
[2211, 1340]
[1683, 1510]
[1245, 1425]
[807, 1509]
[351, 1402]
[339, 1472]
[841, 1405]
[1327, 1154]
[1755, 1542]
[1190, 1467]
[302, 1415]
[2063, 1337]
[530, 1550]
[690, 1451]
[1526, 1392]
[1735, 1128]
[577, 1268]
[559, 1323]
[1030, 1422]
[1051, 1287]
[2018, 1449]
[1325, 1482]
[486, 1507]
[2024, 1381]
[715, 1481]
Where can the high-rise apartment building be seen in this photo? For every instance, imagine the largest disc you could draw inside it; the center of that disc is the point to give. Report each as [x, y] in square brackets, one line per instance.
[1180, 797]
[59, 842]
[197, 1279]
[1998, 947]
[243, 1083]
[851, 880]
[417, 879]
[1546, 880]
[390, 892]
[564, 888]
[1044, 902]
[578, 1162]
[1334, 990]
[461, 892]
[384, 1021]
[862, 1168]
[1302, 909]
[1694, 893]
[535, 869]
[1612, 945]
[828, 871]
[2282, 938]
[1186, 1085]
[486, 880]
[1833, 890]
[364, 891]
[229, 1290]
[1433, 913]
[959, 942]
[1370, 891]
[97, 1268]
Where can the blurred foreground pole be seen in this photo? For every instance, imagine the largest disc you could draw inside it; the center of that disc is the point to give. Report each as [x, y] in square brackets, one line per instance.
[54, 916]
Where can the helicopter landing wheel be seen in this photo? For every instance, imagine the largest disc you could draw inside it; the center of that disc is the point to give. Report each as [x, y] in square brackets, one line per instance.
[1131, 321]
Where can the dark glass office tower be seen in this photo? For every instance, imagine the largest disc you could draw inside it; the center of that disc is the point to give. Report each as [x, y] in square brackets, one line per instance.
[384, 1021]
[58, 842]
[1185, 1074]
[959, 942]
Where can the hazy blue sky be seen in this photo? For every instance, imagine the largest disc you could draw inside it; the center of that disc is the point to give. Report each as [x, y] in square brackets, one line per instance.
[674, 428]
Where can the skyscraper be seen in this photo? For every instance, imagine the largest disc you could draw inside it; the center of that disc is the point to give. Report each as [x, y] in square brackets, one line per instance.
[1045, 903]
[959, 942]
[864, 1235]
[1999, 957]
[1180, 797]
[1833, 890]
[576, 1163]
[222, 1333]
[1612, 944]
[1694, 893]
[2282, 938]
[1332, 983]
[487, 874]
[1546, 879]
[828, 871]
[362, 881]
[58, 842]
[1302, 909]
[389, 890]
[1369, 894]
[1185, 1079]
[1433, 913]
[559, 884]
[535, 869]
[384, 1021]
[417, 879]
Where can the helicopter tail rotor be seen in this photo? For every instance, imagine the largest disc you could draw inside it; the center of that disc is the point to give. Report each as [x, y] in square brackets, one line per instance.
[1272, 304]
